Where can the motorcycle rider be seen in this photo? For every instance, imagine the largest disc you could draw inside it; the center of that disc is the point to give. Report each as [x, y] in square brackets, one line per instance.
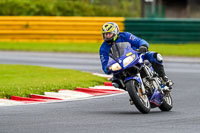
[111, 36]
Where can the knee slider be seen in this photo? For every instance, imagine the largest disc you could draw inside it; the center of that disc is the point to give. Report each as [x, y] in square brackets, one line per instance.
[158, 57]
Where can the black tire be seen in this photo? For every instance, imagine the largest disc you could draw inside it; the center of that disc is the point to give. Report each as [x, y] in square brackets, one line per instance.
[132, 88]
[167, 104]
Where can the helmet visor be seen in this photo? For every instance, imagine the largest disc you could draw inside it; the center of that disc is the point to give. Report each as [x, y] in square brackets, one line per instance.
[108, 35]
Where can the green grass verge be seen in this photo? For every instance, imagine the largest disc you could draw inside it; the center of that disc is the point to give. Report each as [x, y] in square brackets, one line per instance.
[22, 80]
[192, 50]
[51, 47]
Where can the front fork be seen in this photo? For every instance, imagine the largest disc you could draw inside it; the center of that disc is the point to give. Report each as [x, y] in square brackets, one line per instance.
[138, 78]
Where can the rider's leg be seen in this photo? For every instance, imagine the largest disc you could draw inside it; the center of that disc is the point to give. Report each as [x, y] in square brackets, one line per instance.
[117, 82]
[157, 64]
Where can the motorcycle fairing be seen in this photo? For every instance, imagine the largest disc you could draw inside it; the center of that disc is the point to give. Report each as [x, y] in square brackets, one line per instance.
[156, 98]
[121, 58]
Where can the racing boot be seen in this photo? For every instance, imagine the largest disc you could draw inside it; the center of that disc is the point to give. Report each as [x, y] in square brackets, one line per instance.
[168, 82]
[159, 69]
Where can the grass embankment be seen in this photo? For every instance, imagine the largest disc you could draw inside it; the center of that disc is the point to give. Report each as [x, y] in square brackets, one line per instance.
[21, 80]
[192, 50]
[70, 8]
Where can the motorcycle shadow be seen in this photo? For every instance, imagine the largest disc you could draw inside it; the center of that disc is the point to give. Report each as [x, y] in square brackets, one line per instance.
[132, 112]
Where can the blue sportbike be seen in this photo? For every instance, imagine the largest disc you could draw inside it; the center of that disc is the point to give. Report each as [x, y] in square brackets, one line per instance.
[145, 88]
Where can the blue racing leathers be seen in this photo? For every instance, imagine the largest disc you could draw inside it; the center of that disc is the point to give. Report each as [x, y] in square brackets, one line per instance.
[135, 42]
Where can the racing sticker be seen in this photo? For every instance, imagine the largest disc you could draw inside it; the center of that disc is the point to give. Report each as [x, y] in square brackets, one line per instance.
[132, 37]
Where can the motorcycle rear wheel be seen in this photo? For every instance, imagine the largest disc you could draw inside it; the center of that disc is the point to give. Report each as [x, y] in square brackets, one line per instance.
[140, 100]
[167, 104]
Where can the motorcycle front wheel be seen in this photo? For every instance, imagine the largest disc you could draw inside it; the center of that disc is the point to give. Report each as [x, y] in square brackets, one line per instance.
[140, 100]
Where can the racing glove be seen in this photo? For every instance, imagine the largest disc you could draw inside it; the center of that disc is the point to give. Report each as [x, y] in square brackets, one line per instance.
[143, 49]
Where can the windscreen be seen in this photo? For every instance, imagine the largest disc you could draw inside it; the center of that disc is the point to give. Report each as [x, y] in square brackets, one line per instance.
[118, 49]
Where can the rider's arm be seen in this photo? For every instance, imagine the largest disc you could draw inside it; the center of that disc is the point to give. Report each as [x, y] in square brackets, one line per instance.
[135, 41]
[104, 57]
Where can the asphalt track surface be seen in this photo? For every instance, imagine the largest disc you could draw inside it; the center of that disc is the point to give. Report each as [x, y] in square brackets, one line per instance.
[110, 114]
